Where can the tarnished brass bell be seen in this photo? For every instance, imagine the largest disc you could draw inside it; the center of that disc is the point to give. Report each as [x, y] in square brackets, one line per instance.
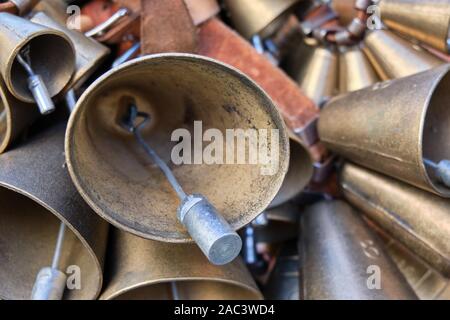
[318, 75]
[421, 221]
[395, 127]
[36, 62]
[89, 54]
[37, 195]
[427, 283]
[299, 173]
[355, 70]
[15, 116]
[425, 20]
[394, 57]
[124, 186]
[343, 260]
[145, 269]
[261, 17]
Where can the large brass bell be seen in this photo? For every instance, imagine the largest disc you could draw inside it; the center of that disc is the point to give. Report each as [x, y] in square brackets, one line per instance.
[124, 186]
[15, 116]
[421, 221]
[36, 62]
[394, 57]
[141, 269]
[37, 195]
[340, 251]
[262, 17]
[425, 20]
[399, 128]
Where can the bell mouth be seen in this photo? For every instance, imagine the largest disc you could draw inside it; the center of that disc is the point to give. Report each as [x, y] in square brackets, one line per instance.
[122, 184]
[52, 57]
[436, 132]
[28, 233]
[187, 289]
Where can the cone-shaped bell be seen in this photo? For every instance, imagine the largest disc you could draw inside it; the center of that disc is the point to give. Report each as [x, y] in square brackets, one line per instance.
[427, 283]
[37, 194]
[421, 221]
[15, 116]
[52, 56]
[425, 20]
[392, 127]
[262, 17]
[178, 91]
[318, 75]
[355, 70]
[343, 260]
[89, 54]
[299, 173]
[145, 269]
[394, 57]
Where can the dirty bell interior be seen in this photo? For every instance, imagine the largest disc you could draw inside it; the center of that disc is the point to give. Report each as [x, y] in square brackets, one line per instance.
[225, 150]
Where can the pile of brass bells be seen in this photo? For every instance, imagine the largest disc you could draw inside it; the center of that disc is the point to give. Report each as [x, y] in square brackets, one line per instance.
[205, 149]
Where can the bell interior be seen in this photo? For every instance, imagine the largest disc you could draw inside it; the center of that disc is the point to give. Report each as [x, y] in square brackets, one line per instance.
[52, 58]
[123, 184]
[28, 234]
[436, 130]
[188, 290]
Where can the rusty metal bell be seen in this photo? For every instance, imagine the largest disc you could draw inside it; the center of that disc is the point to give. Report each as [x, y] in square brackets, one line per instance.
[318, 75]
[89, 53]
[425, 20]
[355, 70]
[15, 116]
[394, 127]
[421, 221]
[342, 258]
[141, 269]
[299, 173]
[126, 188]
[262, 17]
[394, 57]
[51, 54]
[37, 195]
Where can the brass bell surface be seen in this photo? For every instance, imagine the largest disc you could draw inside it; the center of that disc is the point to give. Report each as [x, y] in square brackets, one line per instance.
[339, 254]
[394, 57]
[318, 75]
[393, 126]
[145, 269]
[89, 54]
[261, 17]
[15, 116]
[51, 53]
[425, 20]
[119, 181]
[355, 70]
[299, 173]
[37, 194]
[421, 221]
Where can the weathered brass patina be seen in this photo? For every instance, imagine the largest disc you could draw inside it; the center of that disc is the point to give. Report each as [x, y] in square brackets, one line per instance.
[261, 17]
[340, 256]
[15, 116]
[355, 70]
[51, 53]
[89, 54]
[393, 126]
[145, 269]
[425, 20]
[124, 186]
[394, 57]
[421, 221]
[36, 195]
